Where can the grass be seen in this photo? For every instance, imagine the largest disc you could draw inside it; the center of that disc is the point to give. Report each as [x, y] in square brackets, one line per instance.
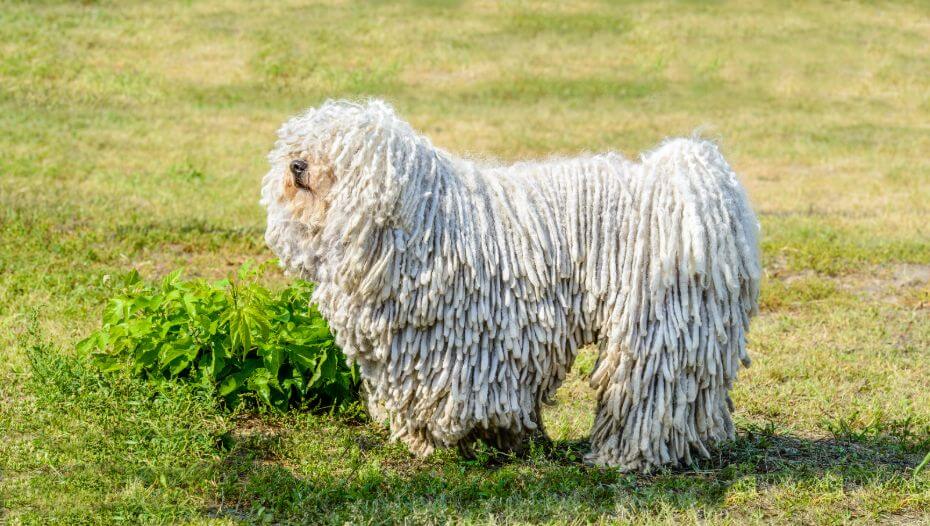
[133, 135]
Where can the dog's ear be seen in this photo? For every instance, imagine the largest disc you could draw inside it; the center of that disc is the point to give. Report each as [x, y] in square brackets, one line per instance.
[382, 168]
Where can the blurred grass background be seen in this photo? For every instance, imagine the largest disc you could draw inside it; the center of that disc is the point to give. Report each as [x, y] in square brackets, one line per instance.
[133, 135]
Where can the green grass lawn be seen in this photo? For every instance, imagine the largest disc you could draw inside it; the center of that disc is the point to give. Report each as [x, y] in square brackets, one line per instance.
[133, 136]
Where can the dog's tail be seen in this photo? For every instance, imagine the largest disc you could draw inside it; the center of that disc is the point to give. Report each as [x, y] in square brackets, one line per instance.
[677, 334]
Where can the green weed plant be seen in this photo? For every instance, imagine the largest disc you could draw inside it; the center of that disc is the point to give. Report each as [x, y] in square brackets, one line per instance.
[233, 336]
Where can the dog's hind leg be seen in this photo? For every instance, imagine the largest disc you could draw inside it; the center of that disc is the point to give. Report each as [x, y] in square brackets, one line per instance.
[677, 337]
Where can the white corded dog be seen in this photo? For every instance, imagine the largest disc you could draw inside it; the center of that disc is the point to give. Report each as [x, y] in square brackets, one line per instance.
[463, 291]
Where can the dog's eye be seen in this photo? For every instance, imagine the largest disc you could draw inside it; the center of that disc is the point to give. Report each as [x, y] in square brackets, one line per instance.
[298, 167]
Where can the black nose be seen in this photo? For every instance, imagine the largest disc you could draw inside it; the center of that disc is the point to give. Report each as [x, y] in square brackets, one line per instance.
[298, 167]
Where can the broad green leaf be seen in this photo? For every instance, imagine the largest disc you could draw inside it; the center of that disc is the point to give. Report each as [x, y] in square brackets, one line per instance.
[303, 357]
[228, 385]
[260, 382]
[273, 358]
[108, 364]
[318, 371]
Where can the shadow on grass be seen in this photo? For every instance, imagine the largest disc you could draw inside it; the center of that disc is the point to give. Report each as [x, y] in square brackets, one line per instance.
[384, 484]
[163, 453]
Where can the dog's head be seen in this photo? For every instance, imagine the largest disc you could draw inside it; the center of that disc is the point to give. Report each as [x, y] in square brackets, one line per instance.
[316, 180]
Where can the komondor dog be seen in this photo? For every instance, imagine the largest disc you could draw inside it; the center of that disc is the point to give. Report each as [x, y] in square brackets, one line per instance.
[463, 290]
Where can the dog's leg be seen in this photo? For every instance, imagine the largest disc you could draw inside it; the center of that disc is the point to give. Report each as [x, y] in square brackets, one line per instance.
[417, 439]
[677, 337]
[373, 405]
[655, 406]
